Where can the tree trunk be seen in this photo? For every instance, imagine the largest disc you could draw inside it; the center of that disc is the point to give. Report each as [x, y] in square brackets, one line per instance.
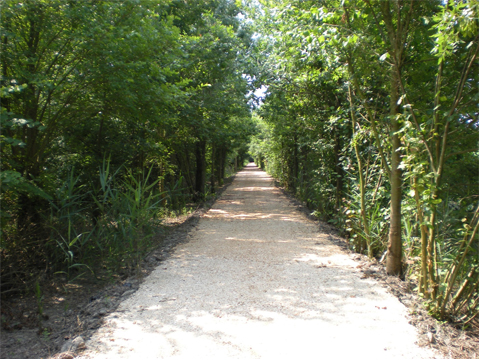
[295, 163]
[200, 170]
[29, 166]
[162, 184]
[212, 173]
[397, 34]
[338, 173]
[221, 165]
[185, 169]
[423, 282]
[394, 248]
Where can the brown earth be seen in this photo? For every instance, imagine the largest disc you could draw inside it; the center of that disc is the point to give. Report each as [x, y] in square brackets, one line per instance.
[252, 220]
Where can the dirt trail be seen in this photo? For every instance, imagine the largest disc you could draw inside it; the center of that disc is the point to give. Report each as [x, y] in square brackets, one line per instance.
[257, 280]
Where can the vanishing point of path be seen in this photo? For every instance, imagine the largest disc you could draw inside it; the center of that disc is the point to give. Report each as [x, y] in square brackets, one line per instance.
[257, 280]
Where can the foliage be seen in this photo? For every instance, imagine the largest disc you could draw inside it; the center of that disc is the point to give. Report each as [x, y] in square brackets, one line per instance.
[154, 87]
[371, 104]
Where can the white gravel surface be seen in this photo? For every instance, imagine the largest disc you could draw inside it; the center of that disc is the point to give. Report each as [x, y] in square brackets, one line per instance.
[257, 280]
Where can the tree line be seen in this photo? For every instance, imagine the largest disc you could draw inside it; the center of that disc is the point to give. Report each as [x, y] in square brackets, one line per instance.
[114, 114]
[371, 118]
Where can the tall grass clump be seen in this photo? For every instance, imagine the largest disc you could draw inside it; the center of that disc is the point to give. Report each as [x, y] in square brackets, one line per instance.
[111, 221]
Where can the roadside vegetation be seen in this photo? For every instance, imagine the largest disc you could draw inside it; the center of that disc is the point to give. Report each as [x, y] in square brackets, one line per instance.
[113, 115]
[371, 118]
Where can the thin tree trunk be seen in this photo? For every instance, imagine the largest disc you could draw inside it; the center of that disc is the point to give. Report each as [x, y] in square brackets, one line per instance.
[366, 227]
[29, 166]
[338, 173]
[221, 165]
[295, 162]
[423, 283]
[397, 33]
[394, 248]
[200, 170]
[212, 173]
[185, 170]
[162, 184]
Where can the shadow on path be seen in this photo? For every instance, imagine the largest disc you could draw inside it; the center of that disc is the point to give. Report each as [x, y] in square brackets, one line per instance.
[257, 280]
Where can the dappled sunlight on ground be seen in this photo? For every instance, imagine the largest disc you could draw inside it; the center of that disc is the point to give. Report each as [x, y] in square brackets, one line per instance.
[269, 323]
[257, 280]
[256, 188]
[257, 199]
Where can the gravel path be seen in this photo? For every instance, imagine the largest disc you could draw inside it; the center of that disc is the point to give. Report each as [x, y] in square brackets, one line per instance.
[257, 280]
